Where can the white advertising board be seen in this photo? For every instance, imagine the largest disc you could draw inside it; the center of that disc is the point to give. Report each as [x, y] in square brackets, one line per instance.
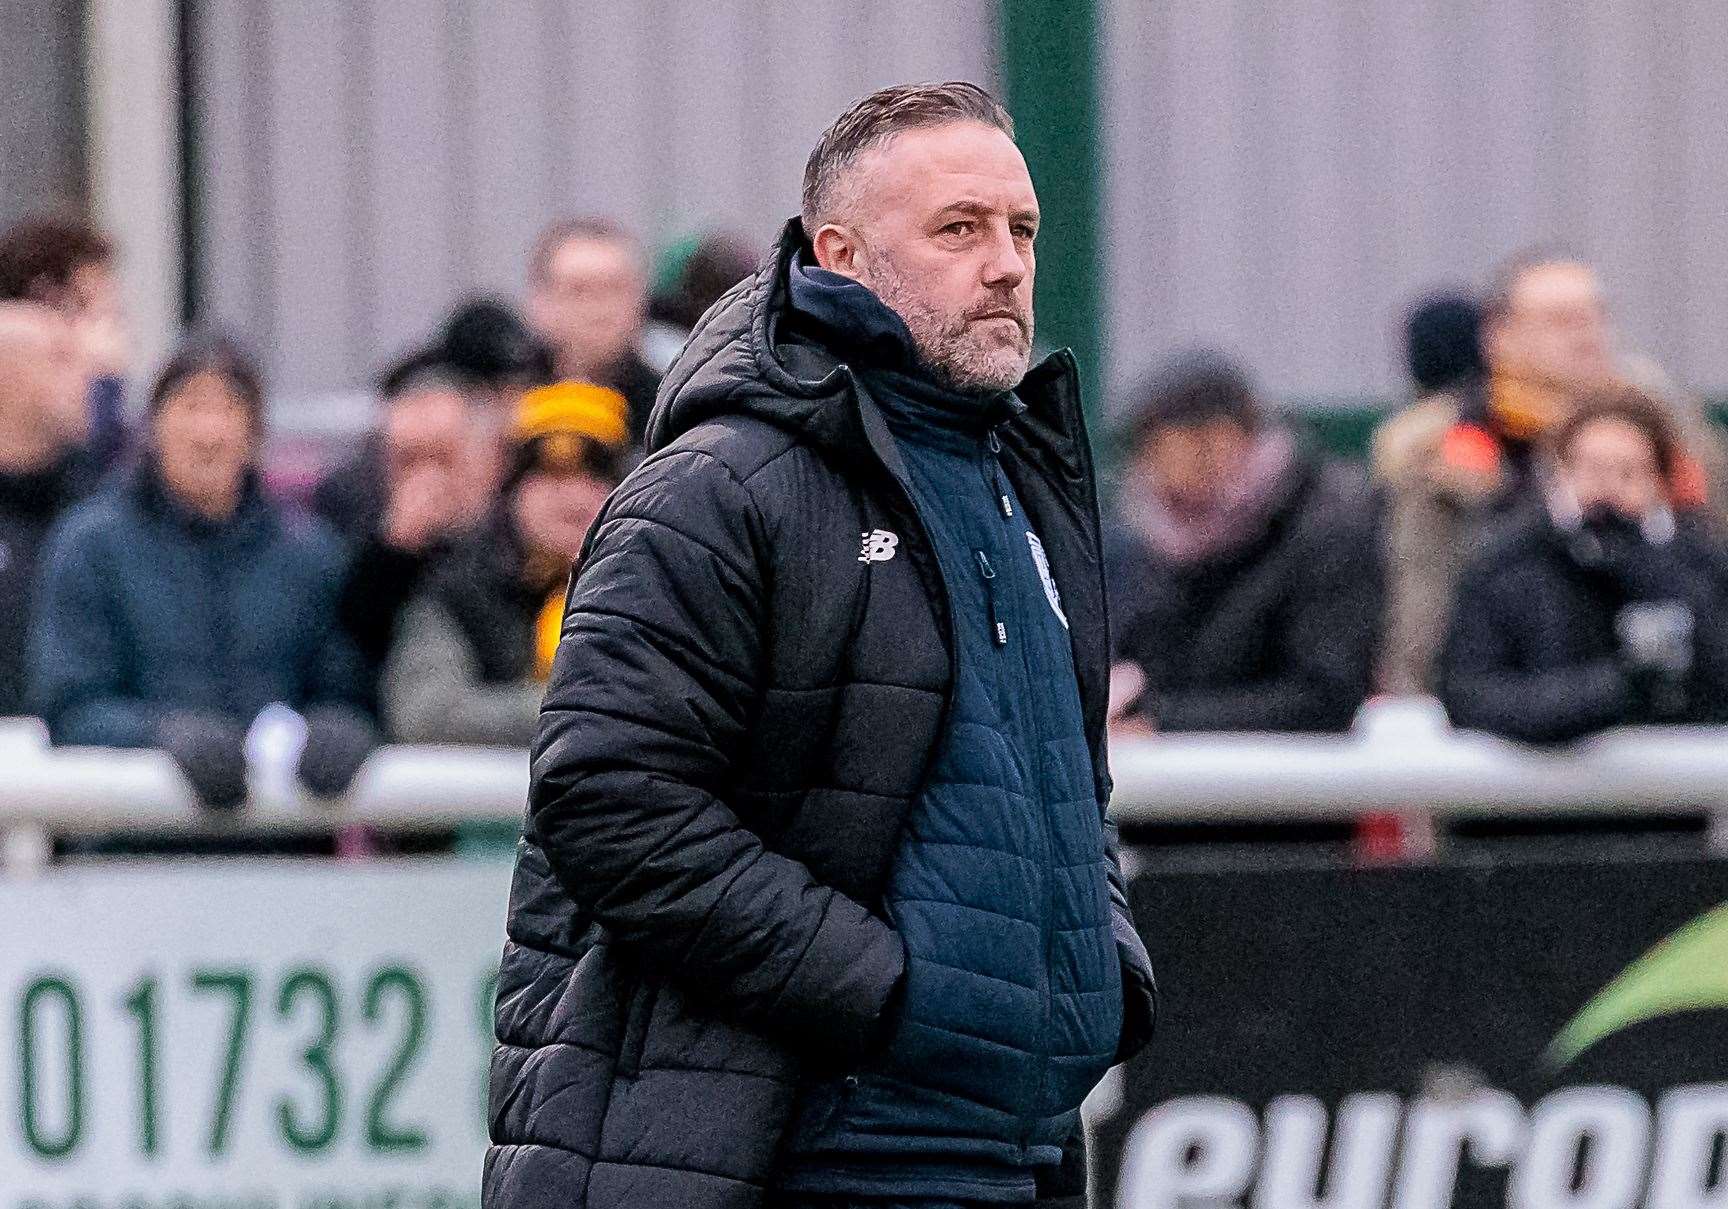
[247, 1034]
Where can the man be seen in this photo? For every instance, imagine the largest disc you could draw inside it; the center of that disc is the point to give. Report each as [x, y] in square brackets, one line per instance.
[43, 466]
[588, 300]
[1599, 606]
[817, 903]
[178, 604]
[1245, 583]
[473, 650]
[1451, 462]
[67, 264]
[427, 473]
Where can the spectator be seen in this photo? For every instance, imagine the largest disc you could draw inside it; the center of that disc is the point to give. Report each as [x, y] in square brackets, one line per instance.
[588, 299]
[68, 264]
[1245, 587]
[43, 467]
[179, 603]
[473, 650]
[428, 471]
[706, 268]
[1599, 605]
[1455, 460]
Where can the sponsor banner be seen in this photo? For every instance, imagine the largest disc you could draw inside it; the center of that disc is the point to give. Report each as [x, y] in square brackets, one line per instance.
[247, 1034]
[1532, 1033]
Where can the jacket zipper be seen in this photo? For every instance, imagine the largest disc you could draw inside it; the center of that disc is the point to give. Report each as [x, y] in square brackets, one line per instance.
[1005, 506]
[998, 628]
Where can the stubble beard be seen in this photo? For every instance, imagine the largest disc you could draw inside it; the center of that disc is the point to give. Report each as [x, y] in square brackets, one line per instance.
[949, 346]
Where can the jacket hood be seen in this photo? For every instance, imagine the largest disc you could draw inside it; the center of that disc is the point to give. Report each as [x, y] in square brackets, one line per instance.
[747, 356]
[739, 360]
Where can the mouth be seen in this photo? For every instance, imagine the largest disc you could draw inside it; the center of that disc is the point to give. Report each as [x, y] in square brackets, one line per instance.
[999, 316]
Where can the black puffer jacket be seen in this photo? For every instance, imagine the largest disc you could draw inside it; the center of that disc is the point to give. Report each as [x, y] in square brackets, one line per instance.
[1278, 633]
[740, 716]
[1532, 653]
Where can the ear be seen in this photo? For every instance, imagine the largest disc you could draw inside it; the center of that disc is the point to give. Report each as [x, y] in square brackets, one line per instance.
[839, 250]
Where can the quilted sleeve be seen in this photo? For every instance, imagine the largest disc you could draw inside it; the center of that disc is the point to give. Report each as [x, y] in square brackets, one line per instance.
[653, 688]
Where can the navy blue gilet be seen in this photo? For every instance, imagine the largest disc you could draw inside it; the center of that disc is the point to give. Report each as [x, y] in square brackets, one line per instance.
[1011, 1009]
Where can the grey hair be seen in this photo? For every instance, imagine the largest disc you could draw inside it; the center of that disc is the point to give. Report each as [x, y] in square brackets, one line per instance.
[878, 118]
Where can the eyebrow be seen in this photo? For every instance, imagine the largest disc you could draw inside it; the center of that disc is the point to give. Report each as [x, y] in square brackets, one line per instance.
[979, 209]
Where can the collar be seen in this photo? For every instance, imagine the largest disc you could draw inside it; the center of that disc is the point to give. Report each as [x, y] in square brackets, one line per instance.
[251, 513]
[853, 321]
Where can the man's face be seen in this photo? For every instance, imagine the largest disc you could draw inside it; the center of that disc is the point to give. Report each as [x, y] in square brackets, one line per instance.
[940, 223]
[203, 439]
[1610, 462]
[1193, 466]
[1555, 328]
[554, 511]
[441, 431]
[429, 425]
[590, 303]
[43, 374]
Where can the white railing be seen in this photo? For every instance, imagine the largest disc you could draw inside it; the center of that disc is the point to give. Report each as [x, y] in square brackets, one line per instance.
[1400, 757]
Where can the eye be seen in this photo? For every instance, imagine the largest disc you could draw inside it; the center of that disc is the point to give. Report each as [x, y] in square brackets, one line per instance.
[1025, 231]
[963, 226]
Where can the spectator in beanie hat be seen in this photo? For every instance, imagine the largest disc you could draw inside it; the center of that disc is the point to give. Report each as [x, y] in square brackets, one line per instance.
[179, 603]
[473, 649]
[424, 476]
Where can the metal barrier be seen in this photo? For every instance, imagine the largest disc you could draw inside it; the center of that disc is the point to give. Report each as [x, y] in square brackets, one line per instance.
[1400, 757]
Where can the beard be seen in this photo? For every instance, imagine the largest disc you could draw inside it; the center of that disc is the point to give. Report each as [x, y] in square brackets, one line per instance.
[959, 353]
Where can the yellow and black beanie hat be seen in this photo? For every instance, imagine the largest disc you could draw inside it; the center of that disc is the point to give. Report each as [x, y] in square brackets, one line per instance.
[569, 428]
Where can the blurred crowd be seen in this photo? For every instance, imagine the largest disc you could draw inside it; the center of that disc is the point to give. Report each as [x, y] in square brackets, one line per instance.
[1534, 538]
[156, 592]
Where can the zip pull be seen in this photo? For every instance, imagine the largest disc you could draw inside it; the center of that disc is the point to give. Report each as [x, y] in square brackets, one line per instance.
[998, 628]
[1002, 501]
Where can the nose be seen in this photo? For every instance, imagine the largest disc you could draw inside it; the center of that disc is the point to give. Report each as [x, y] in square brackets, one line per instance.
[1006, 264]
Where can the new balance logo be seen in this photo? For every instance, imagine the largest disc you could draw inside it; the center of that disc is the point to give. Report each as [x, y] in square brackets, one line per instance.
[879, 546]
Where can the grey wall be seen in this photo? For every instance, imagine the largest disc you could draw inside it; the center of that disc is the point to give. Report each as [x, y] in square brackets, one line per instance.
[41, 106]
[364, 162]
[1284, 176]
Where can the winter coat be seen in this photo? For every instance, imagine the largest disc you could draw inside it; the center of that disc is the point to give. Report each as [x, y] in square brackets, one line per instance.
[1011, 1009]
[1532, 652]
[744, 708]
[30, 503]
[1277, 633]
[144, 609]
[1440, 506]
[462, 666]
[1435, 512]
[381, 579]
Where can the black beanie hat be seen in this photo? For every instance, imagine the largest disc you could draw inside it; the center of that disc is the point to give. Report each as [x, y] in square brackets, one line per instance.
[1442, 340]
